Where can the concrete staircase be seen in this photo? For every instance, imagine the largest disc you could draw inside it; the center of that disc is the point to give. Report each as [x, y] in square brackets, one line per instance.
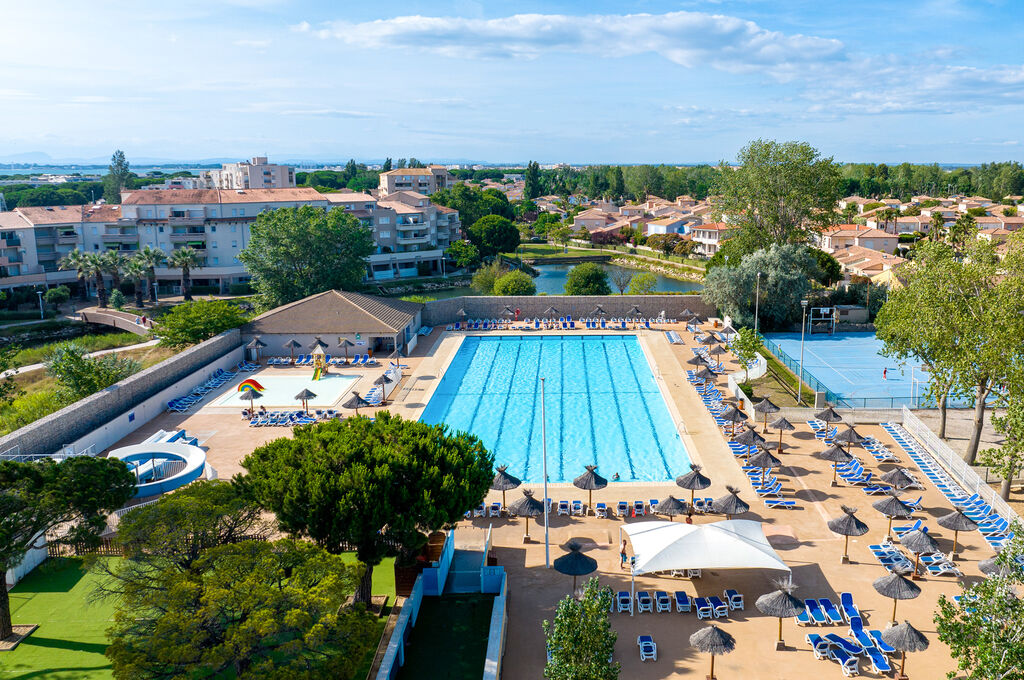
[464, 574]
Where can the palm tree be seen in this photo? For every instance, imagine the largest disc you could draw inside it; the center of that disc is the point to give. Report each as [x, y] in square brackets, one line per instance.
[185, 259]
[938, 226]
[151, 258]
[88, 264]
[136, 271]
[114, 261]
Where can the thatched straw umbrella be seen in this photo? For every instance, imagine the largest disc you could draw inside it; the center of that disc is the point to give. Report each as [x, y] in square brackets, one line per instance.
[356, 402]
[992, 567]
[904, 638]
[918, 542]
[764, 460]
[503, 482]
[291, 346]
[896, 587]
[765, 407]
[590, 481]
[697, 360]
[693, 480]
[829, 415]
[750, 437]
[956, 522]
[847, 525]
[257, 345]
[730, 504]
[733, 415]
[707, 376]
[527, 507]
[849, 436]
[317, 342]
[782, 425]
[717, 350]
[891, 506]
[345, 343]
[672, 506]
[574, 563]
[304, 396]
[835, 455]
[900, 478]
[781, 604]
[714, 641]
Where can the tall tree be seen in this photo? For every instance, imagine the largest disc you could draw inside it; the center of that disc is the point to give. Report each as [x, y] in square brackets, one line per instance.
[387, 165]
[493, 234]
[374, 484]
[88, 265]
[9, 387]
[246, 610]
[151, 258]
[531, 189]
[617, 183]
[587, 278]
[38, 496]
[780, 193]
[113, 262]
[580, 640]
[186, 259]
[117, 179]
[620, 278]
[136, 271]
[1008, 458]
[983, 626]
[297, 252]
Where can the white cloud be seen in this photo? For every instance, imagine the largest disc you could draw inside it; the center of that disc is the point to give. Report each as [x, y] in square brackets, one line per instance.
[91, 99]
[689, 39]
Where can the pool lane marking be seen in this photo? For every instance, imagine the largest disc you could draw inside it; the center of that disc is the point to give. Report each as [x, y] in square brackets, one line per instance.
[483, 390]
[618, 412]
[536, 392]
[647, 410]
[508, 393]
[462, 378]
[590, 405]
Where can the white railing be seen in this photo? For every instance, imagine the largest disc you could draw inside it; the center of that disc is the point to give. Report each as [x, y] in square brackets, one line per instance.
[124, 511]
[964, 474]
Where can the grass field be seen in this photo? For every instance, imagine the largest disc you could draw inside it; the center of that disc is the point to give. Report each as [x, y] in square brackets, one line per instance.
[449, 641]
[92, 343]
[383, 575]
[542, 250]
[70, 640]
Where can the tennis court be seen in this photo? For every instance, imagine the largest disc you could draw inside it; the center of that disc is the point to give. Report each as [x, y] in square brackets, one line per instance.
[850, 366]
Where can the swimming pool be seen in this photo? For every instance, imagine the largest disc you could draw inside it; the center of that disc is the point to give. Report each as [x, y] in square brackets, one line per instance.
[280, 390]
[603, 406]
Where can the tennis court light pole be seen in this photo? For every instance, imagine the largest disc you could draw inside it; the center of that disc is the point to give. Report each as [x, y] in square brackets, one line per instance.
[544, 449]
[800, 378]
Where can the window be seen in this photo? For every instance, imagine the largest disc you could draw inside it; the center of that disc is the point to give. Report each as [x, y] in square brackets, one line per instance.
[241, 212]
[215, 260]
[213, 244]
[234, 212]
[384, 220]
[384, 234]
[149, 230]
[149, 212]
[163, 213]
[95, 246]
[94, 231]
[233, 227]
[159, 229]
[213, 230]
[234, 244]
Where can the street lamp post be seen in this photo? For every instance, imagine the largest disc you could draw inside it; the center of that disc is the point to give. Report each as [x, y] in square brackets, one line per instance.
[757, 303]
[156, 292]
[42, 314]
[544, 450]
[800, 378]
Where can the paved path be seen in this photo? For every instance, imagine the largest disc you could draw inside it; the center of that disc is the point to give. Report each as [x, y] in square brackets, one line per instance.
[115, 350]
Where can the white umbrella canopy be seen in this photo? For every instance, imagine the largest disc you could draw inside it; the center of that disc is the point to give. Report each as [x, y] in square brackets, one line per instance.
[731, 544]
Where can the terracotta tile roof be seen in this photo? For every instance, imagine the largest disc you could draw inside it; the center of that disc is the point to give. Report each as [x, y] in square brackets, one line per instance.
[13, 220]
[57, 214]
[214, 196]
[409, 171]
[102, 213]
[335, 312]
[349, 197]
[400, 208]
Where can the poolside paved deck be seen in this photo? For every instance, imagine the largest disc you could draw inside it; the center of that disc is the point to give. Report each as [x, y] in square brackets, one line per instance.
[800, 536]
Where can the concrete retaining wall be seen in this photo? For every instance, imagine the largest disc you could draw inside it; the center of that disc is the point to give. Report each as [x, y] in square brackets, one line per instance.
[96, 412]
[443, 312]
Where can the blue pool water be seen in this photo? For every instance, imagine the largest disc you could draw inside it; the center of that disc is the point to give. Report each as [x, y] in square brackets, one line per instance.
[603, 406]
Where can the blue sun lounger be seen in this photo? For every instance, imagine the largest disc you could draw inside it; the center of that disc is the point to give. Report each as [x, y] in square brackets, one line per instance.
[815, 612]
[830, 610]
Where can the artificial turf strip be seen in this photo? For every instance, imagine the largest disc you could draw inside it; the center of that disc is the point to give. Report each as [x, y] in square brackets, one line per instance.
[449, 641]
[71, 637]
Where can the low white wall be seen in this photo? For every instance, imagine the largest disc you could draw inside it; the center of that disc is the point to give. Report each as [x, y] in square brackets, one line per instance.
[32, 560]
[124, 424]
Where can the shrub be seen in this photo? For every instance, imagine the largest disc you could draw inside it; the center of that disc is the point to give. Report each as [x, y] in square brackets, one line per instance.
[28, 409]
[192, 322]
[117, 300]
[515, 283]
[587, 279]
[240, 289]
[206, 290]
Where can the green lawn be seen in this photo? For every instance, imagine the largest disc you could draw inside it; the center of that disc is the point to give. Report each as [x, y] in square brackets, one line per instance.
[530, 251]
[70, 640]
[383, 576]
[449, 641]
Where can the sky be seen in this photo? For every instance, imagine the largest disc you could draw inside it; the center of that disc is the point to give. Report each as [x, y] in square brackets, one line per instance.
[465, 80]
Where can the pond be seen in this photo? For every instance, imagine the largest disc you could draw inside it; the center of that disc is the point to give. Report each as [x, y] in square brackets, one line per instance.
[552, 279]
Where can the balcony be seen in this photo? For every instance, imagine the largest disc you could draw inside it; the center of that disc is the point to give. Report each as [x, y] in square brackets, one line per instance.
[10, 242]
[186, 236]
[409, 240]
[411, 224]
[47, 257]
[120, 238]
[67, 239]
[186, 220]
[46, 240]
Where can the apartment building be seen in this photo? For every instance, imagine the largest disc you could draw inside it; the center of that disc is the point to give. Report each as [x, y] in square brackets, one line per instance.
[255, 173]
[709, 237]
[411, 233]
[420, 180]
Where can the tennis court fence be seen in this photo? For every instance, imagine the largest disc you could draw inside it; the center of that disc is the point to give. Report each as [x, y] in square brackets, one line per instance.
[909, 400]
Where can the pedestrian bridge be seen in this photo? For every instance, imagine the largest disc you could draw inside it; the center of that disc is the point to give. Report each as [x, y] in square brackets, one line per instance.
[111, 317]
